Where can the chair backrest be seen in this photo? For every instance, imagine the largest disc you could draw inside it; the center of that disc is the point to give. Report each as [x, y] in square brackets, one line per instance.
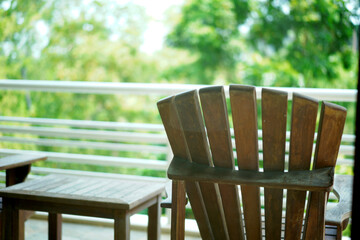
[200, 138]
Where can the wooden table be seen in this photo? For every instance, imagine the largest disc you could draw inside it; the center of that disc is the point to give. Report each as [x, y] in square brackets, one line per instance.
[88, 196]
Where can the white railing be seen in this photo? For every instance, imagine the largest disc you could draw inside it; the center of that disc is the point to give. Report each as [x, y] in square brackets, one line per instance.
[120, 132]
[341, 95]
[119, 136]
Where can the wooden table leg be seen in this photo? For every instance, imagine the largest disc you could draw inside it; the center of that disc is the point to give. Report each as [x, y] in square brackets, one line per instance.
[13, 227]
[154, 213]
[55, 221]
[122, 226]
[17, 175]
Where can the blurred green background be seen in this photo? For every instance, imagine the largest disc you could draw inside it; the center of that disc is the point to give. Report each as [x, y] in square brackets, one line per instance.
[282, 43]
[278, 43]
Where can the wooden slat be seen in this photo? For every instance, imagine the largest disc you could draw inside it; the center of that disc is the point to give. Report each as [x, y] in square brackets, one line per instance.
[176, 138]
[214, 108]
[244, 114]
[188, 108]
[331, 126]
[303, 122]
[42, 186]
[274, 113]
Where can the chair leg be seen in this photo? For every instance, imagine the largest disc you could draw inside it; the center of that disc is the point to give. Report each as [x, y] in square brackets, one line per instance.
[178, 211]
[13, 224]
[122, 226]
[154, 213]
[55, 222]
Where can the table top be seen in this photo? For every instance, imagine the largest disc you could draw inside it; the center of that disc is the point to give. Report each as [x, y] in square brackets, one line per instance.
[90, 191]
[14, 161]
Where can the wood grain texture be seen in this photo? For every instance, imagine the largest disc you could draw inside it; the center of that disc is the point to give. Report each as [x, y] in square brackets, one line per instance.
[17, 175]
[17, 168]
[188, 108]
[136, 191]
[317, 180]
[154, 213]
[244, 114]
[208, 159]
[19, 160]
[178, 211]
[173, 128]
[274, 113]
[13, 227]
[214, 108]
[303, 122]
[343, 185]
[128, 197]
[174, 132]
[122, 226]
[55, 226]
[331, 126]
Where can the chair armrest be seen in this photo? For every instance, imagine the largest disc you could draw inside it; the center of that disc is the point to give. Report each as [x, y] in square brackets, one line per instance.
[14, 161]
[320, 179]
[341, 212]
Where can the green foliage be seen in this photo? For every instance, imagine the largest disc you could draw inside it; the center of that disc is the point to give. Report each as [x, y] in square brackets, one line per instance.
[298, 43]
[312, 36]
[207, 28]
[263, 43]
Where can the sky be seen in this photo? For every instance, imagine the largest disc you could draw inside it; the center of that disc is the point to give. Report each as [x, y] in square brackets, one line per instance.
[156, 31]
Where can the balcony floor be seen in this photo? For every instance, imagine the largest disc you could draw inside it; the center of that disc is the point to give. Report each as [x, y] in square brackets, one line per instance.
[36, 229]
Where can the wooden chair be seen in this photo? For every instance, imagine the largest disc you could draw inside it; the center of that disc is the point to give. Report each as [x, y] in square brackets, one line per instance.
[203, 165]
[17, 168]
[102, 197]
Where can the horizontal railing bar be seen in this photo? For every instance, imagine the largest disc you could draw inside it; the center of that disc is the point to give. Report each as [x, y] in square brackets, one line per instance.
[116, 136]
[112, 161]
[343, 95]
[344, 149]
[86, 123]
[88, 134]
[117, 125]
[96, 87]
[340, 160]
[140, 137]
[94, 159]
[87, 144]
[345, 161]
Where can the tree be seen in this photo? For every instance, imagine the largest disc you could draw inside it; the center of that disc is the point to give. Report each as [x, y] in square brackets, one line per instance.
[314, 37]
[72, 40]
[303, 43]
[207, 28]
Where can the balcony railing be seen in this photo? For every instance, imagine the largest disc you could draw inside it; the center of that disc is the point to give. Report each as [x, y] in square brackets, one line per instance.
[127, 145]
